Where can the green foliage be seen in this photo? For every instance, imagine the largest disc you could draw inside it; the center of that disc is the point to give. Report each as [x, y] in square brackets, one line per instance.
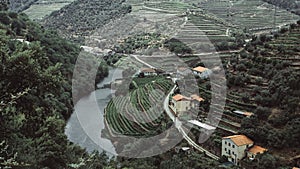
[4, 5]
[141, 41]
[177, 47]
[74, 25]
[35, 95]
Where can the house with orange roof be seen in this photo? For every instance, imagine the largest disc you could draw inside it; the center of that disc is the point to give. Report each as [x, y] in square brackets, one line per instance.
[180, 103]
[234, 147]
[202, 72]
[148, 72]
[255, 150]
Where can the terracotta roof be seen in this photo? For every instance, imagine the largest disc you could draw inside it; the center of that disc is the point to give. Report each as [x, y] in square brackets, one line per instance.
[248, 114]
[200, 69]
[179, 97]
[296, 168]
[257, 150]
[148, 70]
[198, 98]
[240, 140]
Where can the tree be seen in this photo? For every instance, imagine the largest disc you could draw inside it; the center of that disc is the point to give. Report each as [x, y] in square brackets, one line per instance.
[266, 160]
[262, 112]
[4, 5]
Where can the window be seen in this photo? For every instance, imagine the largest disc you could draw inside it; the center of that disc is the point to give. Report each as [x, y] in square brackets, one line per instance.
[229, 144]
[233, 146]
[225, 142]
[229, 152]
[225, 149]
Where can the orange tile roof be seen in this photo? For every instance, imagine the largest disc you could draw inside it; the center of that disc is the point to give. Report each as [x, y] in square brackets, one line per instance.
[198, 98]
[257, 150]
[179, 97]
[200, 69]
[240, 140]
[296, 168]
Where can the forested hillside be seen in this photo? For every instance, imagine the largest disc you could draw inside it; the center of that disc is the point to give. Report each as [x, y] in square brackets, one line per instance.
[81, 17]
[266, 75]
[20, 5]
[292, 5]
[35, 96]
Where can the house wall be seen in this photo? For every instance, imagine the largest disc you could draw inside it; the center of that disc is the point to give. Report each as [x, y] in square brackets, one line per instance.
[250, 155]
[180, 106]
[150, 74]
[204, 74]
[236, 152]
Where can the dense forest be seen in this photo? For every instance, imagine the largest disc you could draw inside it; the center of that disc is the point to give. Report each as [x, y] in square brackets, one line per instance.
[292, 5]
[81, 17]
[35, 95]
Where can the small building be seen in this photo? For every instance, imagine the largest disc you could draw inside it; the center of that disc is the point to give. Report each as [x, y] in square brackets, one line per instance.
[255, 150]
[234, 147]
[245, 114]
[180, 103]
[147, 72]
[202, 72]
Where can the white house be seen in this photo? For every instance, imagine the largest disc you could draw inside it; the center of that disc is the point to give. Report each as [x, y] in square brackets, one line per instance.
[202, 72]
[148, 72]
[180, 103]
[255, 150]
[234, 147]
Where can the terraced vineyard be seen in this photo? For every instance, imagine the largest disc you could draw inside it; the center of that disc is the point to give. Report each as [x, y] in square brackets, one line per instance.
[200, 27]
[140, 113]
[169, 6]
[42, 8]
[285, 47]
[254, 15]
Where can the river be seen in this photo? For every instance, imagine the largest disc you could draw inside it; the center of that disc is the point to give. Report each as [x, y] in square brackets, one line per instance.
[86, 123]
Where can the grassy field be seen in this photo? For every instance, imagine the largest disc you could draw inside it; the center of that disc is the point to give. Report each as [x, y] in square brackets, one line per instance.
[43, 8]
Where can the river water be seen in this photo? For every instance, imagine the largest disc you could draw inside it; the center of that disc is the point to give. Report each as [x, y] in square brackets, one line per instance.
[86, 123]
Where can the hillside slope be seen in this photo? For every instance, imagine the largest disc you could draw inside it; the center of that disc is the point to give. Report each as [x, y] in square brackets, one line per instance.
[20, 5]
[81, 17]
[292, 5]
